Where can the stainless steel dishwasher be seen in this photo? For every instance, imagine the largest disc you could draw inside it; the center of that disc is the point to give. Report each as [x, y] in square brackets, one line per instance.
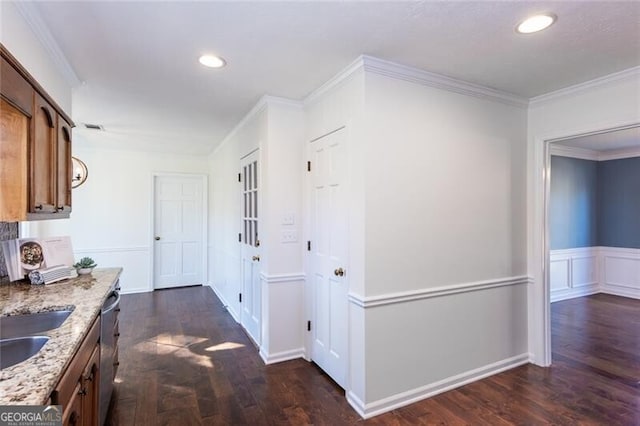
[108, 349]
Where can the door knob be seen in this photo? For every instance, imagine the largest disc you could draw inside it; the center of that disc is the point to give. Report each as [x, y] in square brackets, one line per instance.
[256, 258]
[339, 272]
[157, 238]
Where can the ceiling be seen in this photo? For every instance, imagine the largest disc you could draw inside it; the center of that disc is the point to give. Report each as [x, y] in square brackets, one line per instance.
[143, 83]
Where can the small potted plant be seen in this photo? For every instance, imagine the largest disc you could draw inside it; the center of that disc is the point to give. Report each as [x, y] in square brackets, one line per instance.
[85, 266]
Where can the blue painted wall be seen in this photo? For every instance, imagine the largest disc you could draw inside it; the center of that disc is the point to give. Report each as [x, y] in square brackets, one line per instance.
[594, 203]
[619, 203]
[573, 206]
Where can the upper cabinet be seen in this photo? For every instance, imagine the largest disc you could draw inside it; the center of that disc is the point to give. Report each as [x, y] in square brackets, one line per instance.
[35, 148]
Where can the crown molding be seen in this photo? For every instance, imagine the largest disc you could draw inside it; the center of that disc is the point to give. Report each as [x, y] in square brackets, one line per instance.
[337, 79]
[32, 16]
[262, 103]
[589, 154]
[587, 85]
[426, 78]
[619, 154]
[418, 76]
[573, 152]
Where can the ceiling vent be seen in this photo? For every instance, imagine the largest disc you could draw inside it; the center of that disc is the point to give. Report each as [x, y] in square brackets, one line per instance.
[93, 126]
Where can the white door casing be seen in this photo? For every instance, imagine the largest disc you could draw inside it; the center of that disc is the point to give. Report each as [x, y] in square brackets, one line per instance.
[178, 226]
[328, 257]
[251, 296]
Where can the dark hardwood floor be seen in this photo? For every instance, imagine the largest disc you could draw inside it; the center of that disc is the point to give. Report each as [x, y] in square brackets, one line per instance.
[184, 361]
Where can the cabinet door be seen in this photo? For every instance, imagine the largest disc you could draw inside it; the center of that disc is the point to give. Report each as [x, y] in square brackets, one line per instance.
[91, 383]
[42, 194]
[72, 414]
[63, 191]
[14, 133]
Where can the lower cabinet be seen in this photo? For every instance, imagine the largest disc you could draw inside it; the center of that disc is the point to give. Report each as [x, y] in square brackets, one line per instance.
[78, 389]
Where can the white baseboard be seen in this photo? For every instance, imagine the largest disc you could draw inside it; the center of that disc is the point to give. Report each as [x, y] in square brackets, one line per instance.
[228, 307]
[572, 293]
[136, 291]
[633, 293]
[281, 356]
[409, 397]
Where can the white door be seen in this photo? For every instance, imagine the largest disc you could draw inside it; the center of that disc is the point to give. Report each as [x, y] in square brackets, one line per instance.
[178, 231]
[251, 296]
[328, 259]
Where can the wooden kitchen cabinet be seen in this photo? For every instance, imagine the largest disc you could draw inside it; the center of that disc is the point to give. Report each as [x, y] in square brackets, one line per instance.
[91, 389]
[35, 148]
[79, 388]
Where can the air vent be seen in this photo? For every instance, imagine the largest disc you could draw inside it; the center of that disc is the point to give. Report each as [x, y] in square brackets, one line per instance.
[93, 126]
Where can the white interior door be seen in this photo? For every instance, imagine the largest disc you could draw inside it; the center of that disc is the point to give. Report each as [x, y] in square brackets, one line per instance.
[251, 296]
[329, 255]
[178, 229]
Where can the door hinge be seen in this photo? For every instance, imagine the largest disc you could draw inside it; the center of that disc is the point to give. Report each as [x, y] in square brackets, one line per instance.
[240, 237]
[308, 245]
[239, 177]
[308, 166]
[308, 325]
[240, 297]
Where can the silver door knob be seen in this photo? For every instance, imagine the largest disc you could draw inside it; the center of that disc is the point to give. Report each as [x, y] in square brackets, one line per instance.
[157, 238]
[339, 272]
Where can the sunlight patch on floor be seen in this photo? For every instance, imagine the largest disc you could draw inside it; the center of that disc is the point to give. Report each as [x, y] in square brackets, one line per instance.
[184, 347]
[224, 346]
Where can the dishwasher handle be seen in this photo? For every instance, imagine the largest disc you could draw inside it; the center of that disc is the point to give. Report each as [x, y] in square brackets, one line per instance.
[107, 309]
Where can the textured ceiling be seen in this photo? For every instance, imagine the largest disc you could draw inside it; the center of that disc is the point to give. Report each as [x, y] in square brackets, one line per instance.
[142, 81]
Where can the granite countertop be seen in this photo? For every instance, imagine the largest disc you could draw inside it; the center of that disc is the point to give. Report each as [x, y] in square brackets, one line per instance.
[32, 381]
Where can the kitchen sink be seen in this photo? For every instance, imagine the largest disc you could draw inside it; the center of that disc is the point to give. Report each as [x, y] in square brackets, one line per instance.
[24, 325]
[14, 351]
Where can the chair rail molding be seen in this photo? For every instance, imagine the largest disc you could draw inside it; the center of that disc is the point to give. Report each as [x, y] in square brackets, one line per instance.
[409, 296]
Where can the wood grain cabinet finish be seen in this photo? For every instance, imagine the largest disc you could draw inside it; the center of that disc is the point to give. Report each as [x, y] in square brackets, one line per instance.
[35, 148]
[78, 391]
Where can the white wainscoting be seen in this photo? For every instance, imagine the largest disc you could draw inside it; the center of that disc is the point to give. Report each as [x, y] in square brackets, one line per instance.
[588, 270]
[225, 279]
[134, 261]
[418, 343]
[282, 317]
[573, 273]
[620, 271]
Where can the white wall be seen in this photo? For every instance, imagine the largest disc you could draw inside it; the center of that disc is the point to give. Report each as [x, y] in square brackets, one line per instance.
[340, 102]
[276, 127]
[602, 104]
[111, 217]
[282, 272]
[445, 187]
[445, 254]
[19, 39]
[224, 207]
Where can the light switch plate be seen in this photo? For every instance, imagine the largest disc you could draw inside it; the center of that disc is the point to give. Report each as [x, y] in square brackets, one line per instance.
[288, 236]
[288, 219]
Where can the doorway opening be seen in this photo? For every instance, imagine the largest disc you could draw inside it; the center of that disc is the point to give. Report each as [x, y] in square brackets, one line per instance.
[589, 201]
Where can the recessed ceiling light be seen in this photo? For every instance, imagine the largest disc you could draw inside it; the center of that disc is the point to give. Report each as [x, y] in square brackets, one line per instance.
[212, 61]
[536, 23]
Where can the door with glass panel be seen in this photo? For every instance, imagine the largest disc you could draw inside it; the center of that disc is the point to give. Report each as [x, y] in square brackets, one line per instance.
[250, 298]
